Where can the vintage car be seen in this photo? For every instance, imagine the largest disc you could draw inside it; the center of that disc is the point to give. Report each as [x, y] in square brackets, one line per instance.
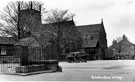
[76, 57]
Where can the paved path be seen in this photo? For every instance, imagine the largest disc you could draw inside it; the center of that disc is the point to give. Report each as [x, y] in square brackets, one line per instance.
[111, 70]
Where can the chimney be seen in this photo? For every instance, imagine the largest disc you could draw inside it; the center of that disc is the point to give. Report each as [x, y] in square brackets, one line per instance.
[101, 20]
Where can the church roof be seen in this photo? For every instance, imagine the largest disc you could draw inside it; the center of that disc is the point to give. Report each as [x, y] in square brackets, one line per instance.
[45, 27]
[90, 28]
[43, 38]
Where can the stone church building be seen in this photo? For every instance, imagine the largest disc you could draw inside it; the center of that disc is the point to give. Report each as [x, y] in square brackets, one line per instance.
[94, 36]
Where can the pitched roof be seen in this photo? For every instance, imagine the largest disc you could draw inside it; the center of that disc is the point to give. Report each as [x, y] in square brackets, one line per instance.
[43, 38]
[90, 43]
[89, 28]
[7, 40]
[35, 40]
[29, 41]
[45, 27]
[126, 42]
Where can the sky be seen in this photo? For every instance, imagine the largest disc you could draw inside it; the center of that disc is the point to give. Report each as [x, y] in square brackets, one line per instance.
[118, 15]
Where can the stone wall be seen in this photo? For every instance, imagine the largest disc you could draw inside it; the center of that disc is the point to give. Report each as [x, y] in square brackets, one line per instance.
[37, 66]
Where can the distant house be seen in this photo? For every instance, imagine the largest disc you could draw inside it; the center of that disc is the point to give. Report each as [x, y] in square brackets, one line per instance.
[123, 49]
[94, 40]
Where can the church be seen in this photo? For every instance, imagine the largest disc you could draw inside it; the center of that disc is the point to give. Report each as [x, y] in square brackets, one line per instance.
[94, 41]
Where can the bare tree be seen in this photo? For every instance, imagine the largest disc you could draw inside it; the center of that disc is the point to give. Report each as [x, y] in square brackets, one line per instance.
[117, 44]
[64, 33]
[58, 17]
[11, 17]
[118, 39]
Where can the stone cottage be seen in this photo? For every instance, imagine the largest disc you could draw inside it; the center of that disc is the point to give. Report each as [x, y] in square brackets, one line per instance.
[123, 49]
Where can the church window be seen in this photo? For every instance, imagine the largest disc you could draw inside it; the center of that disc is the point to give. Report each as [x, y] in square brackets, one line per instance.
[3, 51]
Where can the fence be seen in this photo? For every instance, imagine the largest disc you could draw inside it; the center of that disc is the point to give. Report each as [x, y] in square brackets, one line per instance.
[25, 56]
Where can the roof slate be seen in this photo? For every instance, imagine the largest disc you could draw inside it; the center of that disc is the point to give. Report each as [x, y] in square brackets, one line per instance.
[35, 40]
[29, 41]
[45, 27]
[90, 43]
[43, 39]
[126, 42]
[90, 28]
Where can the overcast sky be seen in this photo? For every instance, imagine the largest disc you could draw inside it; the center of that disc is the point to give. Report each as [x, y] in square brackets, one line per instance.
[118, 15]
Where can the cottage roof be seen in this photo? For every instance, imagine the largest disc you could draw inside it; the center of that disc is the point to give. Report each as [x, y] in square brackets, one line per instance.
[7, 40]
[125, 42]
[90, 28]
[90, 43]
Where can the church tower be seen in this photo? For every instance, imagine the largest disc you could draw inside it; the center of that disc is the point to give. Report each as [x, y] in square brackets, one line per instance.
[29, 20]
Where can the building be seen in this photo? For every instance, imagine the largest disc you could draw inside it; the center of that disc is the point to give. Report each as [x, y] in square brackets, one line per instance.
[94, 40]
[39, 47]
[124, 49]
[33, 26]
[94, 36]
[31, 52]
[91, 38]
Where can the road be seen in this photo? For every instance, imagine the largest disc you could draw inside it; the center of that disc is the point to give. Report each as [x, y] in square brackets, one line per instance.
[100, 70]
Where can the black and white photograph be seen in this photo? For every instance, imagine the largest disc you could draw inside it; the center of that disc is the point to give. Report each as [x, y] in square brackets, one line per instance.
[67, 40]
